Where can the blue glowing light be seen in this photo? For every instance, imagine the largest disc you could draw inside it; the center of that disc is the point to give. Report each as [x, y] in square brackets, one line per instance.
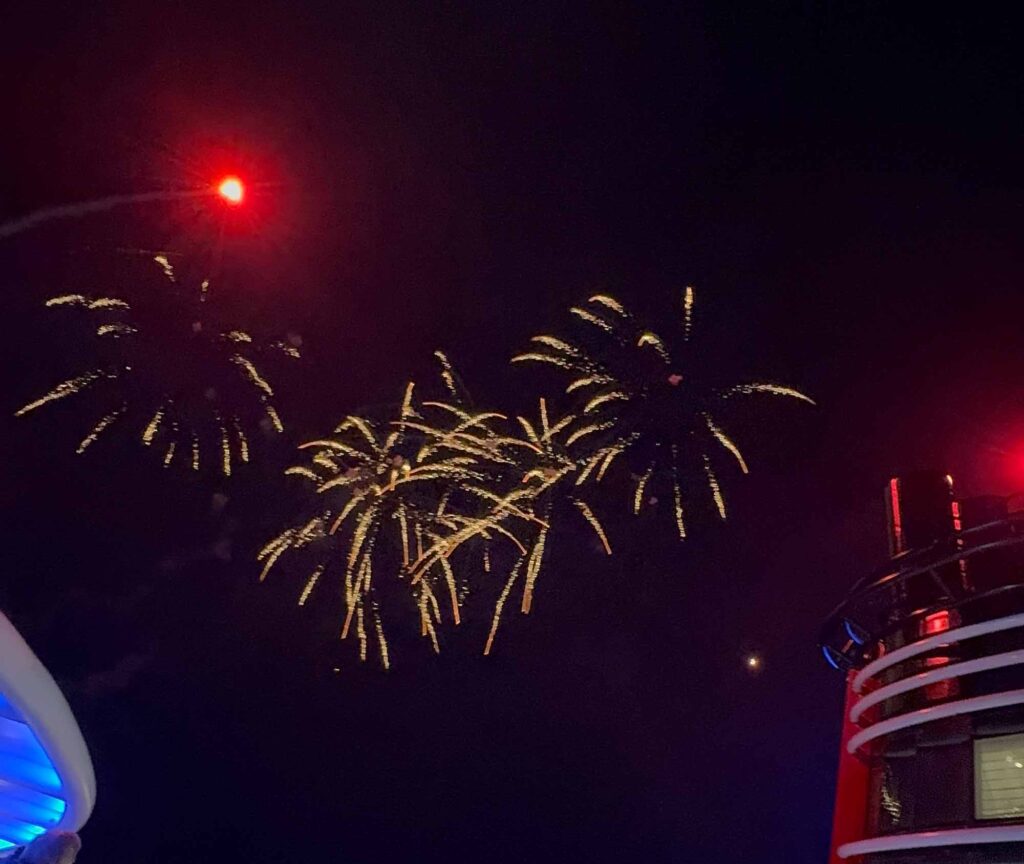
[828, 656]
[851, 634]
[30, 788]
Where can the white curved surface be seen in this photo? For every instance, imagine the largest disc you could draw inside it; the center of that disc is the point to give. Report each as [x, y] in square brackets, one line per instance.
[961, 634]
[936, 712]
[940, 673]
[932, 839]
[34, 696]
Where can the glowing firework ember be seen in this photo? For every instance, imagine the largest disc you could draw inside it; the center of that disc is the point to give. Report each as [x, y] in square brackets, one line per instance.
[231, 190]
[641, 402]
[188, 390]
[384, 497]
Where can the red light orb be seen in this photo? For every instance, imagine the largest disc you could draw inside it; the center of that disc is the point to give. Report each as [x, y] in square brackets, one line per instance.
[231, 190]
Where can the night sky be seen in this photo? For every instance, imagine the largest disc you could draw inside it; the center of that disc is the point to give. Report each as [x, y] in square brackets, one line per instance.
[842, 183]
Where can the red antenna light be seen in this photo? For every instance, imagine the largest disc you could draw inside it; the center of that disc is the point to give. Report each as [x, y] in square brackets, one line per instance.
[231, 190]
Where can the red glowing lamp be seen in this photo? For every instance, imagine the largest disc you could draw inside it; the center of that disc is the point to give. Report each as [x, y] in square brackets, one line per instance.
[231, 190]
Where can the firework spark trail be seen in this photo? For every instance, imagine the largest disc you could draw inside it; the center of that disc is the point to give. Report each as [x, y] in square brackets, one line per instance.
[61, 391]
[654, 340]
[638, 495]
[688, 300]
[773, 389]
[591, 318]
[588, 381]
[311, 584]
[716, 490]
[601, 460]
[727, 443]
[677, 500]
[225, 451]
[583, 431]
[447, 374]
[275, 420]
[500, 605]
[504, 503]
[471, 528]
[588, 514]
[382, 642]
[164, 263]
[533, 568]
[99, 429]
[149, 433]
[97, 205]
[252, 373]
[610, 302]
[243, 441]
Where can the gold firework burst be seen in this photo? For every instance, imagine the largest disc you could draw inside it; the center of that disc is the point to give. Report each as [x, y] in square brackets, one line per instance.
[180, 385]
[382, 509]
[640, 403]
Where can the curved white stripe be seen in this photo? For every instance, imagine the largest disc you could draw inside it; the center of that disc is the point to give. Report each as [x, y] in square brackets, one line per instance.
[936, 712]
[30, 689]
[941, 673]
[936, 641]
[929, 839]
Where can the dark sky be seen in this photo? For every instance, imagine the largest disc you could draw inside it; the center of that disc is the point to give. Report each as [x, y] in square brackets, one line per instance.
[842, 182]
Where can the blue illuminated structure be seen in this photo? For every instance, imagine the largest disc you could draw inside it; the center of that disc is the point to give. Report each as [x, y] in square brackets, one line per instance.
[46, 775]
